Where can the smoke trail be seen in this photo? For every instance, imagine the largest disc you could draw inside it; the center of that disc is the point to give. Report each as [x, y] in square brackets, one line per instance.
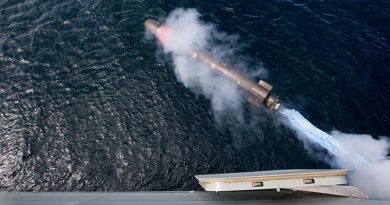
[189, 33]
[363, 155]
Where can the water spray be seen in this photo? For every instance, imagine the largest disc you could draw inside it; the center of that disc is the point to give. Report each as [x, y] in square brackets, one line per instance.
[311, 132]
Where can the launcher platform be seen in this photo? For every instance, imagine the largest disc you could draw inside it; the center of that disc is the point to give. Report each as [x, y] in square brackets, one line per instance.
[325, 181]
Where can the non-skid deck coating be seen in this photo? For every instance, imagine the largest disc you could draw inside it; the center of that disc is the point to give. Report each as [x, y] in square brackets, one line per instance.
[169, 198]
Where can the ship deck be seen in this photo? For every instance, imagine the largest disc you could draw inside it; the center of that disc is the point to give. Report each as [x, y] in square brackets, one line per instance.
[264, 197]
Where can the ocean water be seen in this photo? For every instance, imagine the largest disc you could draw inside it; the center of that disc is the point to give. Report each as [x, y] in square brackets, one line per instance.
[87, 104]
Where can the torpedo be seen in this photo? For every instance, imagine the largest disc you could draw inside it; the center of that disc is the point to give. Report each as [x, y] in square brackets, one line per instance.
[258, 93]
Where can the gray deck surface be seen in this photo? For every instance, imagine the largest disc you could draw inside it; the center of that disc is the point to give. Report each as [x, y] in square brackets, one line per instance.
[185, 198]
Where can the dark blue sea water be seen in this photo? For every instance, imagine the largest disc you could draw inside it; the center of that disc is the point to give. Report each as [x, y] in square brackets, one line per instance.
[86, 103]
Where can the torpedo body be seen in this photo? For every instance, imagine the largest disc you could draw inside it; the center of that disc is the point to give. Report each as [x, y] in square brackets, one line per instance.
[258, 93]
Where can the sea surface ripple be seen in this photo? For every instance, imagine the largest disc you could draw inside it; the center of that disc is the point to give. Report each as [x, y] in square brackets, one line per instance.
[87, 104]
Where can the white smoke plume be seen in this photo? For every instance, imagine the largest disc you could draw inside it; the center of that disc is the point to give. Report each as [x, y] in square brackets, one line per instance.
[374, 177]
[187, 34]
[365, 157]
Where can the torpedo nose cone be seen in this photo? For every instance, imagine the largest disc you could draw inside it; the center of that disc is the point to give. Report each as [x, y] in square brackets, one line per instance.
[161, 32]
[152, 26]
